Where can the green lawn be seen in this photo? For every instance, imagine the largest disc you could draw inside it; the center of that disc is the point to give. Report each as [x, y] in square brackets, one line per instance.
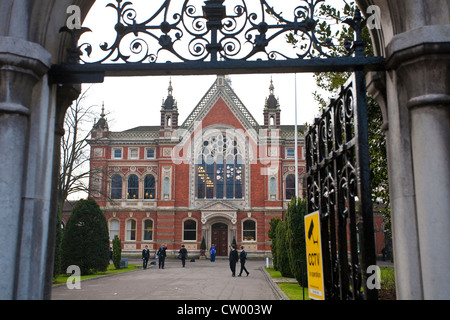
[61, 279]
[293, 290]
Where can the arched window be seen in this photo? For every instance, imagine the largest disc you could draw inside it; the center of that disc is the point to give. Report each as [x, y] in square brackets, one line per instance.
[133, 187]
[114, 228]
[249, 230]
[189, 230]
[290, 186]
[166, 187]
[116, 187]
[131, 230]
[149, 187]
[272, 187]
[220, 169]
[148, 230]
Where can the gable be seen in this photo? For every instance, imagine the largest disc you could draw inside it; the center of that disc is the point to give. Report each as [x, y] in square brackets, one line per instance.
[223, 103]
[221, 113]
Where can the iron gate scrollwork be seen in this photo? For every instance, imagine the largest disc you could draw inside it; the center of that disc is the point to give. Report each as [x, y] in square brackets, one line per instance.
[205, 37]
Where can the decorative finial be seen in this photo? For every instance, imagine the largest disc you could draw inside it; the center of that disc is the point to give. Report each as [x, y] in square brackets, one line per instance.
[170, 89]
[103, 110]
[272, 87]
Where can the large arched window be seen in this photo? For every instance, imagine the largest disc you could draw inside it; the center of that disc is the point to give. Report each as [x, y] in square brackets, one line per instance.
[133, 187]
[290, 186]
[220, 169]
[189, 230]
[149, 187]
[116, 187]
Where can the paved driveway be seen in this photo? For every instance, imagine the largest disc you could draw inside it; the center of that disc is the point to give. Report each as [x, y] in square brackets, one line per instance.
[199, 280]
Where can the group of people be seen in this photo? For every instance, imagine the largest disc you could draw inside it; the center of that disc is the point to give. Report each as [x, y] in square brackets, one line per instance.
[161, 256]
[182, 254]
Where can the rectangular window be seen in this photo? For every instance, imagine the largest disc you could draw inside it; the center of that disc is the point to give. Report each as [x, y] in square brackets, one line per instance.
[131, 230]
[150, 153]
[133, 153]
[148, 230]
[190, 230]
[113, 229]
[117, 153]
[290, 153]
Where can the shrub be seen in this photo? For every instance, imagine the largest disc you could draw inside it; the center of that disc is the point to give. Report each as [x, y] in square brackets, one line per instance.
[295, 237]
[85, 240]
[282, 250]
[117, 252]
[273, 236]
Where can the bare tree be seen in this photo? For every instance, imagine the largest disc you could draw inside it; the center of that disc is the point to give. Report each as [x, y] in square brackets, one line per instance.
[74, 173]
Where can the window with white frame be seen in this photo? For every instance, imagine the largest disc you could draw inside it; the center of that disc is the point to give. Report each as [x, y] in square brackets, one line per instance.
[290, 153]
[133, 153]
[150, 153]
[249, 230]
[131, 230]
[114, 228]
[190, 230]
[116, 187]
[148, 230]
[117, 153]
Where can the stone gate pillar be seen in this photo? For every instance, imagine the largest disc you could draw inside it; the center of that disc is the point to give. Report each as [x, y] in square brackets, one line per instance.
[22, 65]
[415, 40]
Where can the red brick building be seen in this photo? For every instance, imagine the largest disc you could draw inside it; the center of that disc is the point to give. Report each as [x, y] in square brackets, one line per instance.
[219, 175]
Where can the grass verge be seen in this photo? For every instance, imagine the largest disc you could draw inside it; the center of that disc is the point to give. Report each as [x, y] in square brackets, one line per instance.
[61, 279]
[293, 290]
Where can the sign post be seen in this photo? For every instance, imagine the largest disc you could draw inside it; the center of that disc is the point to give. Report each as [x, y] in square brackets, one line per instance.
[316, 288]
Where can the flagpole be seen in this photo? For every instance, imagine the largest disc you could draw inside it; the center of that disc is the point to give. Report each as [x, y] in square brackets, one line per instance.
[296, 142]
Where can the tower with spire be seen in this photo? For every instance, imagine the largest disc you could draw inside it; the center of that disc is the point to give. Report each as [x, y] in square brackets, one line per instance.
[100, 129]
[169, 111]
[272, 110]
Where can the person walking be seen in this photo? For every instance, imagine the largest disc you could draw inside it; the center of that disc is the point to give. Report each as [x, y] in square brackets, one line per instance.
[233, 259]
[145, 257]
[212, 253]
[161, 256]
[182, 254]
[243, 258]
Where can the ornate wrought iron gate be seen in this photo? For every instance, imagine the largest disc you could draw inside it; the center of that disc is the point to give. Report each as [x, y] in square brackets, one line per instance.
[206, 37]
[338, 186]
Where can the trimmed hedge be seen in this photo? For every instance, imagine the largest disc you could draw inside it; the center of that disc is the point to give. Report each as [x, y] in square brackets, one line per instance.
[288, 242]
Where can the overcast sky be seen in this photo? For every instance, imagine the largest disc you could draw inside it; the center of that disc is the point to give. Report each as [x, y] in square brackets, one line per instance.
[136, 101]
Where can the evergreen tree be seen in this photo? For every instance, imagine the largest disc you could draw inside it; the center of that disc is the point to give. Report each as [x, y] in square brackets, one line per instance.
[295, 234]
[282, 250]
[117, 252]
[273, 236]
[85, 241]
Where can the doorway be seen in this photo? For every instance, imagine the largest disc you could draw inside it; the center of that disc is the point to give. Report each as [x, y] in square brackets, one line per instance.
[220, 238]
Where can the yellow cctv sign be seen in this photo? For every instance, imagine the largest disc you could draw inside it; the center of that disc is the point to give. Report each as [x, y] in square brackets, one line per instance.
[314, 257]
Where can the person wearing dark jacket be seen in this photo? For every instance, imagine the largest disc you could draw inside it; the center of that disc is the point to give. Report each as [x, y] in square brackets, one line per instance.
[145, 257]
[243, 258]
[233, 259]
[161, 256]
[182, 254]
